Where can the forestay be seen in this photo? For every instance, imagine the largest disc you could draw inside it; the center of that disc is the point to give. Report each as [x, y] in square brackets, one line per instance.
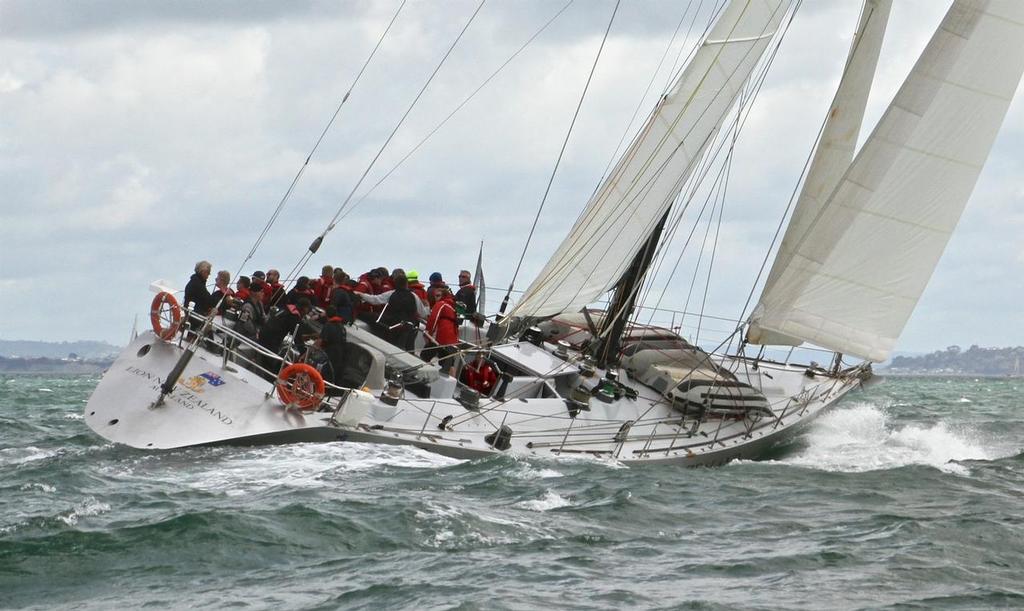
[630, 202]
[856, 275]
[833, 155]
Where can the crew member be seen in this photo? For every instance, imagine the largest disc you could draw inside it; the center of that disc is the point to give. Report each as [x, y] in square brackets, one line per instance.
[223, 297]
[466, 295]
[290, 318]
[333, 341]
[370, 283]
[443, 329]
[273, 294]
[341, 295]
[322, 286]
[417, 287]
[196, 292]
[301, 290]
[251, 315]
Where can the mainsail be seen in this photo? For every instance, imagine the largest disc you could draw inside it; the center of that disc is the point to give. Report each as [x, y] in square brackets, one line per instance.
[629, 204]
[859, 269]
[834, 153]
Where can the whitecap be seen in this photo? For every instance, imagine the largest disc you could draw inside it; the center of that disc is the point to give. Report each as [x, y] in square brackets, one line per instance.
[861, 438]
[38, 486]
[27, 454]
[88, 507]
[527, 471]
[551, 500]
[44, 389]
[964, 400]
[234, 472]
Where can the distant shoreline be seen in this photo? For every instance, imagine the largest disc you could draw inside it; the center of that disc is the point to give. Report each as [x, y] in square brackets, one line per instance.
[938, 374]
[41, 365]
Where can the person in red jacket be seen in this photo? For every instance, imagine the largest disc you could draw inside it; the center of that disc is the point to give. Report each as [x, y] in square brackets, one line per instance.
[386, 282]
[442, 327]
[322, 286]
[370, 283]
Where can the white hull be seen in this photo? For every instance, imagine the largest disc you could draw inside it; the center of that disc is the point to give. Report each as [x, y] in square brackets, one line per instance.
[217, 402]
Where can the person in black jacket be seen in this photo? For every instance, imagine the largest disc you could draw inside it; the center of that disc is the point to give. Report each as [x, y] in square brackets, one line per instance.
[466, 295]
[401, 313]
[281, 324]
[196, 292]
[333, 341]
[341, 296]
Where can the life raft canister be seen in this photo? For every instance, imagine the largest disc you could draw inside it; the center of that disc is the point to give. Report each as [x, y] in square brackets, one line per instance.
[156, 315]
[300, 385]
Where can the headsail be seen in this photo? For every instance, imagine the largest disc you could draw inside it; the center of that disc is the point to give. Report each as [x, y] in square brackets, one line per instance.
[625, 210]
[834, 153]
[856, 275]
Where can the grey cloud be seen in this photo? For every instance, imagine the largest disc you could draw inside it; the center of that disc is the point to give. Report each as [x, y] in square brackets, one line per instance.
[201, 115]
[55, 18]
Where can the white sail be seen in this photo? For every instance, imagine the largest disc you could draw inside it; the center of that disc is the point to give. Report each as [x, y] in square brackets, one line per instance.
[627, 207]
[859, 270]
[833, 155]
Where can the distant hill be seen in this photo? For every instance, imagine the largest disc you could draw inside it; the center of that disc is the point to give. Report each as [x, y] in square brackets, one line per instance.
[955, 360]
[48, 365]
[86, 350]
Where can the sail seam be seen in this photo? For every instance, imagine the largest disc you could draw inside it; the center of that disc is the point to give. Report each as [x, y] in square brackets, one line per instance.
[913, 149]
[964, 87]
[727, 41]
[860, 285]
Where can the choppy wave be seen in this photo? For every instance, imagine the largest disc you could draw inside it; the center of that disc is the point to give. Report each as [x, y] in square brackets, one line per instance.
[907, 476]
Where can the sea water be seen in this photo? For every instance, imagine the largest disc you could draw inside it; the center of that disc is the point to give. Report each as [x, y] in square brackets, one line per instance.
[909, 494]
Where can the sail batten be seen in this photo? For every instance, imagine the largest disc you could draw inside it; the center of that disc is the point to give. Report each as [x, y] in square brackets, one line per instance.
[649, 176]
[861, 263]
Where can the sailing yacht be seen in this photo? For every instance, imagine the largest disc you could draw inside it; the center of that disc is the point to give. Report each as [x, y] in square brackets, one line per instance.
[566, 378]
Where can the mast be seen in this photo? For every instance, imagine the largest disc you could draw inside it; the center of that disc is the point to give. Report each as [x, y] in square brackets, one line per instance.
[606, 350]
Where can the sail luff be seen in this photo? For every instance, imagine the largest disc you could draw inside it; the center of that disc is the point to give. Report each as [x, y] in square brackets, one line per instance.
[856, 276]
[831, 158]
[625, 210]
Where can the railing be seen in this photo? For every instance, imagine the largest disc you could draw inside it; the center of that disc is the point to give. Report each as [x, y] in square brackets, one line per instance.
[230, 344]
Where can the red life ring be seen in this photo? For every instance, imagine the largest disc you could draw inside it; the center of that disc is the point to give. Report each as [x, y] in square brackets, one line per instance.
[301, 385]
[157, 315]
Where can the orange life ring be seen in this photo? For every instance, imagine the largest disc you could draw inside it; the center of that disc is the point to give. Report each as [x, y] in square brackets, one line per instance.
[301, 385]
[156, 315]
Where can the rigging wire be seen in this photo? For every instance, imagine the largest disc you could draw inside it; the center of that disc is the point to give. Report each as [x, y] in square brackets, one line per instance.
[459, 107]
[714, 245]
[738, 126]
[561, 152]
[305, 164]
[334, 220]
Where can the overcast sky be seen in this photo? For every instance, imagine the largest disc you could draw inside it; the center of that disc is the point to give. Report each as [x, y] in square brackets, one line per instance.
[139, 137]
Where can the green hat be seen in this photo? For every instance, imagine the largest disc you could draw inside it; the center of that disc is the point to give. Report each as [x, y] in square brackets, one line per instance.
[412, 275]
